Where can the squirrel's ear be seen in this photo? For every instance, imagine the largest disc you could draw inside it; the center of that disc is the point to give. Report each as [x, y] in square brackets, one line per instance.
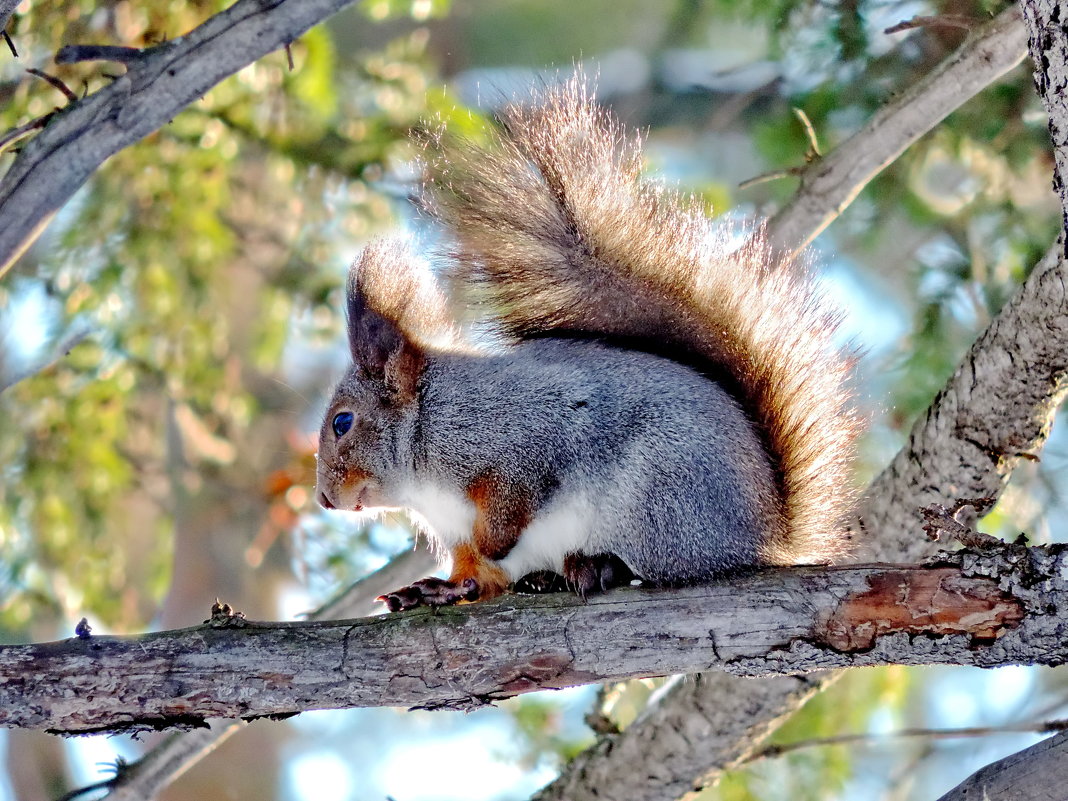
[377, 340]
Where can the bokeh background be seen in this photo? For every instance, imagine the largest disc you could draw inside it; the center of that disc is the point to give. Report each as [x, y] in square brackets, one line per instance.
[196, 281]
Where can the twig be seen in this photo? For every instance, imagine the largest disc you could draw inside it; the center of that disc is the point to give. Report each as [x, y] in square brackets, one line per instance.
[940, 21]
[988, 53]
[72, 54]
[170, 77]
[10, 43]
[17, 133]
[54, 81]
[1041, 727]
[104, 784]
[119, 767]
[810, 133]
[941, 520]
[774, 175]
[811, 155]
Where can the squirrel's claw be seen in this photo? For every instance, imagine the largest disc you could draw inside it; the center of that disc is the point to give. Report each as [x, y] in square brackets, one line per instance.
[541, 582]
[430, 592]
[586, 573]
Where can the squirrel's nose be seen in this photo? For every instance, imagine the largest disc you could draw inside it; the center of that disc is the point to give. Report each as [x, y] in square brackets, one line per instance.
[325, 502]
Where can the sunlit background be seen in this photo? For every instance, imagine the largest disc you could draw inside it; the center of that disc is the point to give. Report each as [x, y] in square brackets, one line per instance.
[168, 458]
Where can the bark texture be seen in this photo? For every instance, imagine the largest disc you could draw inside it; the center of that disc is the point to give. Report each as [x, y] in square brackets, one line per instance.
[1038, 773]
[1004, 606]
[1046, 20]
[179, 751]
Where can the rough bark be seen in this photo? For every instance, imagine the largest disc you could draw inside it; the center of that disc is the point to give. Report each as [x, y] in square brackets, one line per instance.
[1003, 606]
[1038, 773]
[1049, 49]
[744, 706]
[170, 758]
[158, 84]
[995, 411]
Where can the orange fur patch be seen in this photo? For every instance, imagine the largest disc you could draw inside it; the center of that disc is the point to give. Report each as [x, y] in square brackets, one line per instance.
[502, 511]
[467, 563]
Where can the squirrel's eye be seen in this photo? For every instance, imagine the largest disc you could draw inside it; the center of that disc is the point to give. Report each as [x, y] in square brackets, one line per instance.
[342, 423]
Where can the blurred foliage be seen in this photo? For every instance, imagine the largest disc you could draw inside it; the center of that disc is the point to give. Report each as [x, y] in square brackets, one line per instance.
[199, 272]
[271, 162]
[542, 733]
[817, 773]
[973, 194]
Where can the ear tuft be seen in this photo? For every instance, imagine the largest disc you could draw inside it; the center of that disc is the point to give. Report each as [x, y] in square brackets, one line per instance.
[395, 312]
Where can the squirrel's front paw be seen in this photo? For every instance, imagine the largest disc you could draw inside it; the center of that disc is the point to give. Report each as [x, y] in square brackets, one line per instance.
[430, 592]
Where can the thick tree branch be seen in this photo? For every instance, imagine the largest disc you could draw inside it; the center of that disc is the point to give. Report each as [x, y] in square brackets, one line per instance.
[169, 77]
[1004, 606]
[1049, 49]
[1038, 773]
[170, 758]
[995, 411]
[830, 184]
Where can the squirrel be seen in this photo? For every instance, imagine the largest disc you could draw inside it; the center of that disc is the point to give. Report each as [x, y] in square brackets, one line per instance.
[661, 404]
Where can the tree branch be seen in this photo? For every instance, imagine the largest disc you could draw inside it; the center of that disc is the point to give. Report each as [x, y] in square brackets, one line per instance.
[830, 184]
[1049, 50]
[156, 87]
[169, 759]
[1038, 773]
[1004, 606]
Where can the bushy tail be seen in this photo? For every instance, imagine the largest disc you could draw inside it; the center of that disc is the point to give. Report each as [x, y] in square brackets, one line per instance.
[557, 235]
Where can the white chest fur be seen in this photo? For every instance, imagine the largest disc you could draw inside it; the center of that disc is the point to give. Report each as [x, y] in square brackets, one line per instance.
[564, 526]
[446, 515]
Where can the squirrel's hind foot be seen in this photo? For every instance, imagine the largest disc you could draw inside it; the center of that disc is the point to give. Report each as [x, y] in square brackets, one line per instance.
[582, 574]
[587, 573]
[541, 582]
[430, 592]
